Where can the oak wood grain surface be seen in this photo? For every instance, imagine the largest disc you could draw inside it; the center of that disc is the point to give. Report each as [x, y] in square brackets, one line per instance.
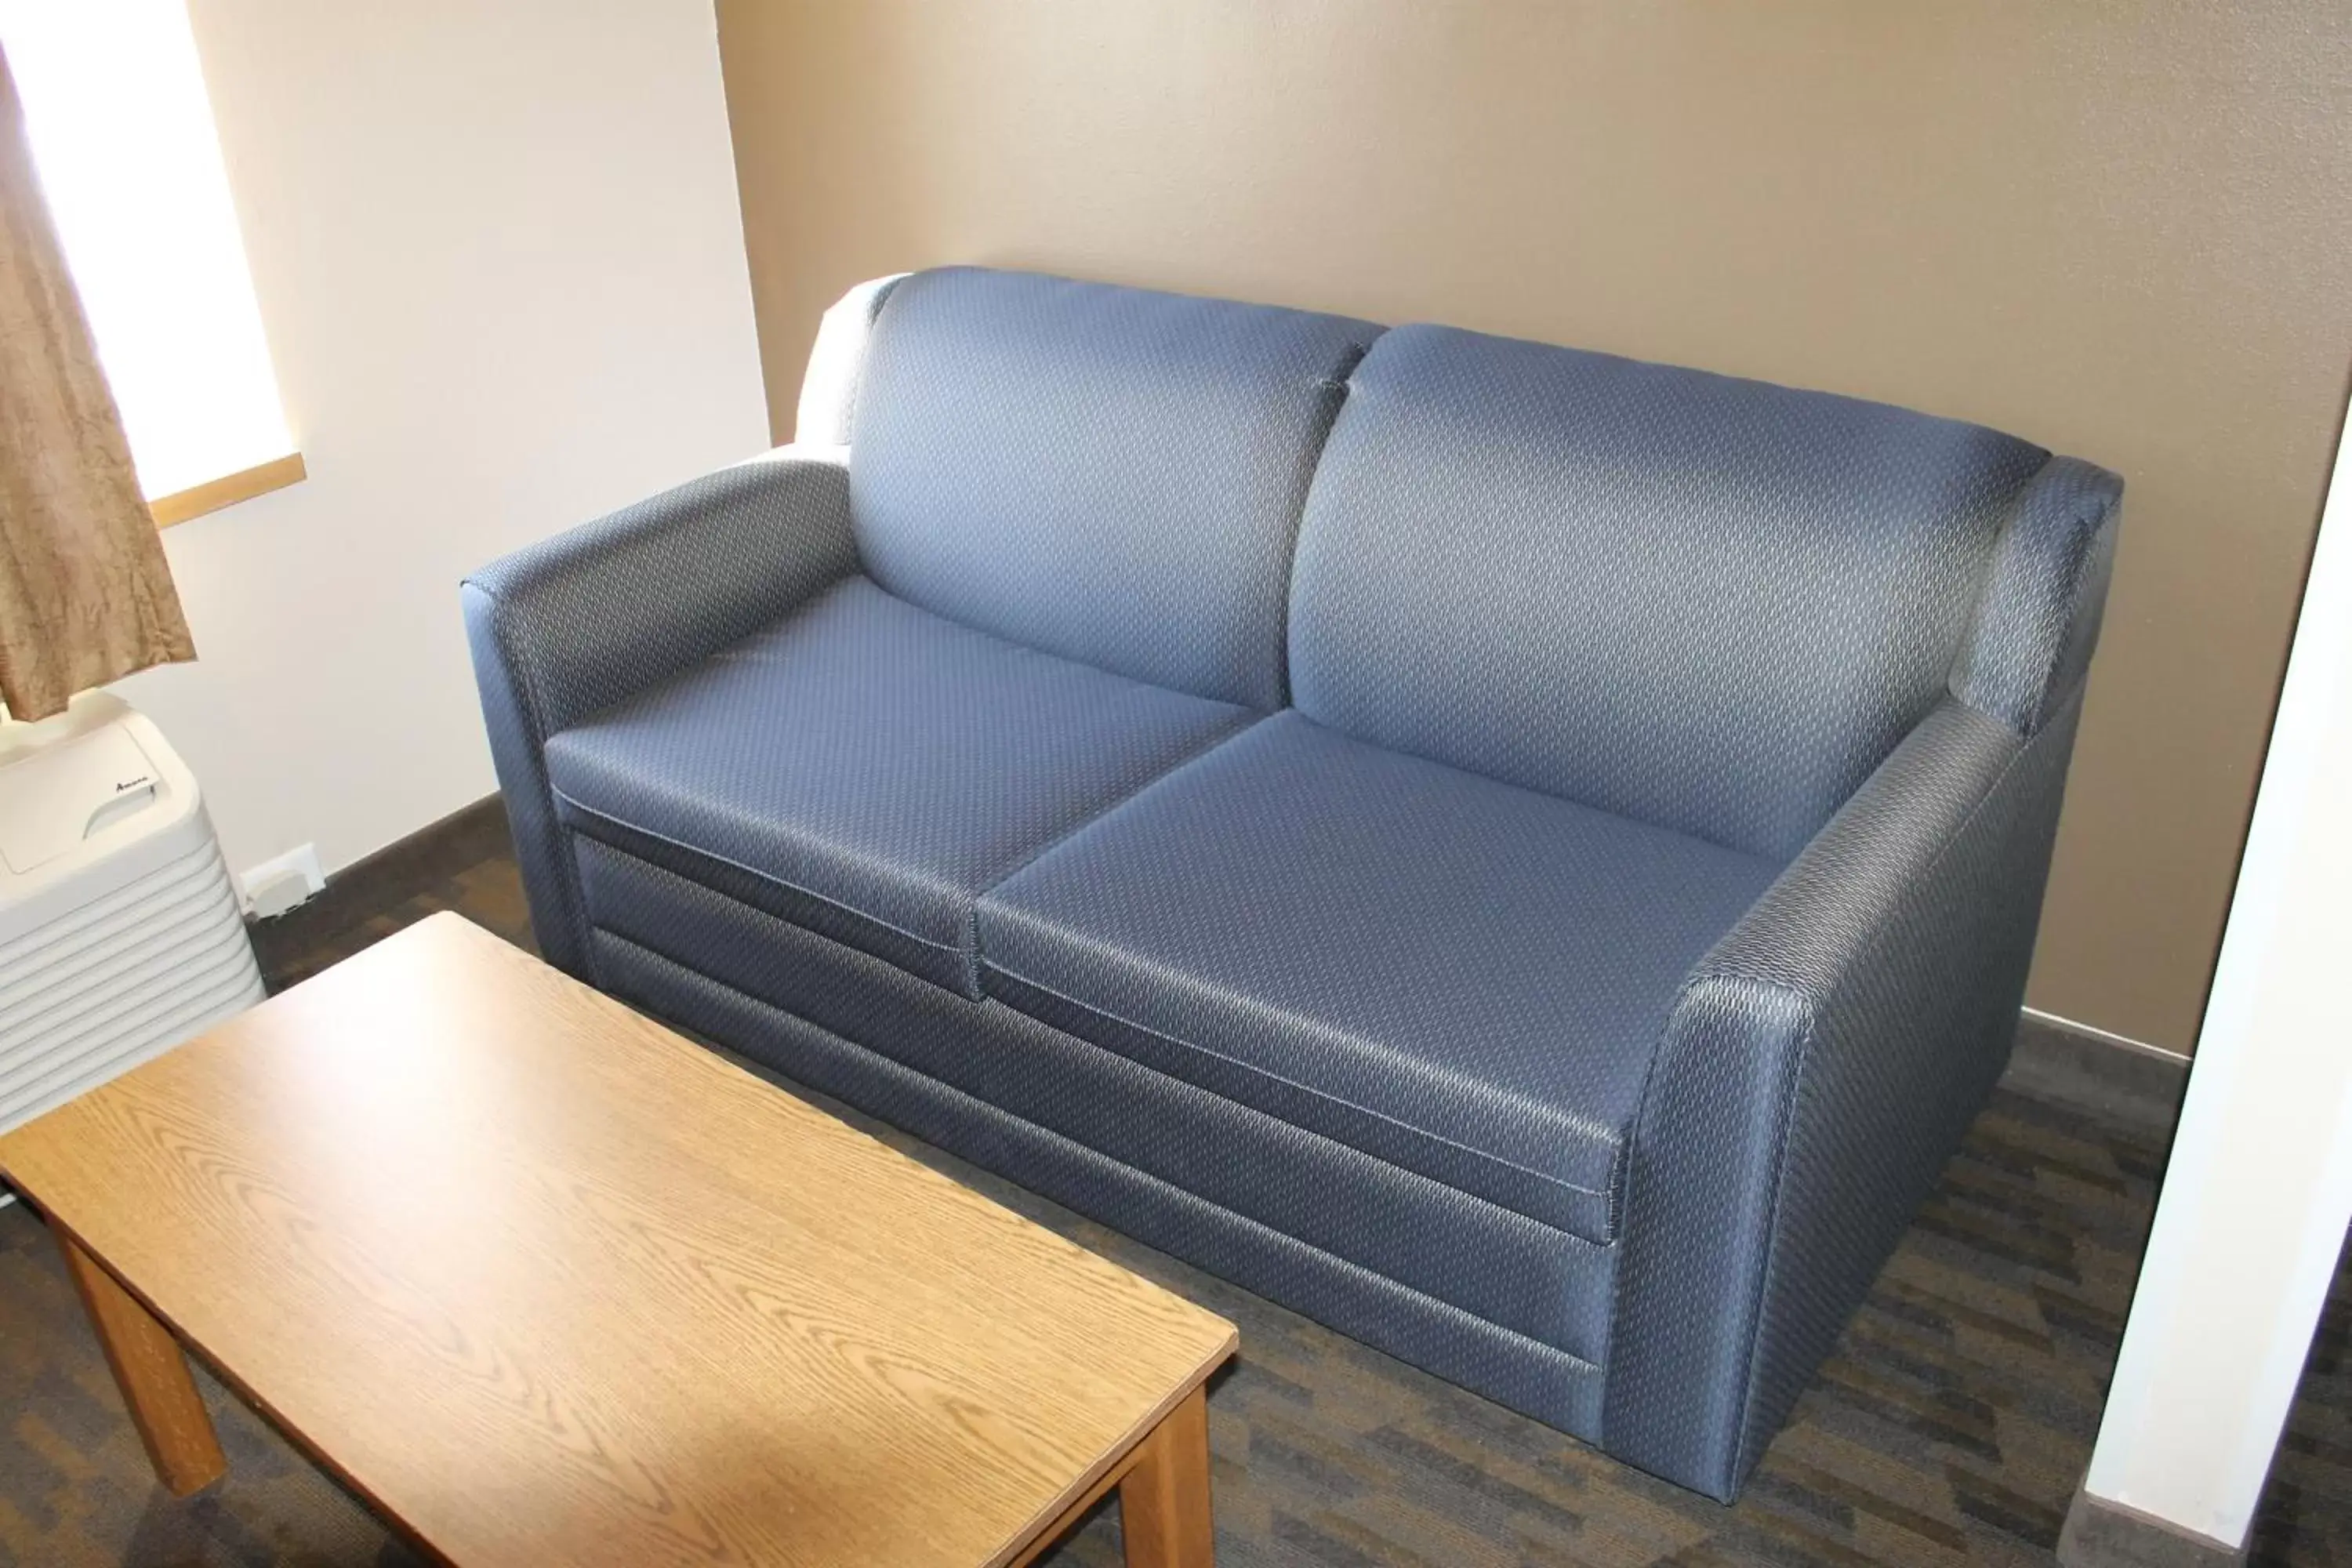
[548, 1283]
[1164, 1501]
[163, 1404]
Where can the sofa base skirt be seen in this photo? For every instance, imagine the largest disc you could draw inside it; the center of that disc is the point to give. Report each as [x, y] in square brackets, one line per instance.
[1491, 1262]
[1550, 1384]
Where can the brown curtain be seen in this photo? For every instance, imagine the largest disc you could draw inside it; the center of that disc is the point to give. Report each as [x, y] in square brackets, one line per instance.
[85, 595]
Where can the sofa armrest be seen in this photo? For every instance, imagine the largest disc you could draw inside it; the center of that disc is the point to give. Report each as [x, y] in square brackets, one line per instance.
[1818, 1065]
[2037, 619]
[576, 623]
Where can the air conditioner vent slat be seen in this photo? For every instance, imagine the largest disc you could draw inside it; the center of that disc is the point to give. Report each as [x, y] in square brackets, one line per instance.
[116, 949]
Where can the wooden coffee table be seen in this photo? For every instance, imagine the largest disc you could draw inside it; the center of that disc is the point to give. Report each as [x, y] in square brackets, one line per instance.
[548, 1284]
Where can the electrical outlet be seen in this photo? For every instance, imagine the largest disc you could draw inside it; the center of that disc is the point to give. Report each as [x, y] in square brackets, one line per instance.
[275, 886]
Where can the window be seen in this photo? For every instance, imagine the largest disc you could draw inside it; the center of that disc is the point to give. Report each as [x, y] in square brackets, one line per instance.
[121, 132]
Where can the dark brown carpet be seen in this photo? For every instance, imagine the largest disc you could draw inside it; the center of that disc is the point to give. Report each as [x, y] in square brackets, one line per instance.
[1950, 1427]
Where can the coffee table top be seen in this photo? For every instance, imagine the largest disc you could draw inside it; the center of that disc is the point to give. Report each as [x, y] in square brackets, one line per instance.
[546, 1282]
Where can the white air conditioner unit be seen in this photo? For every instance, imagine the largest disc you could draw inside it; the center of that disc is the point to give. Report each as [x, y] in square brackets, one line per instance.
[120, 934]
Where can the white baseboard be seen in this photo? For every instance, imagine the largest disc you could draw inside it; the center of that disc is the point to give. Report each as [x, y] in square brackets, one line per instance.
[2106, 1036]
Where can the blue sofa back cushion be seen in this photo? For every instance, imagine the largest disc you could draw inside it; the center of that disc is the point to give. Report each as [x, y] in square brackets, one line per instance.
[1108, 474]
[1708, 603]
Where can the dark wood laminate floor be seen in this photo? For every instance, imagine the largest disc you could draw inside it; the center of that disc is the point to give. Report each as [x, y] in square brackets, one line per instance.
[1950, 1426]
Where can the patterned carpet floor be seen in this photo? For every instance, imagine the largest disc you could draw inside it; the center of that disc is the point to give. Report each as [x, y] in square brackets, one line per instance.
[1950, 1426]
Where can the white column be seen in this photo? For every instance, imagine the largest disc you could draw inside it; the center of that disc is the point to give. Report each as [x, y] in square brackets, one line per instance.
[2259, 1191]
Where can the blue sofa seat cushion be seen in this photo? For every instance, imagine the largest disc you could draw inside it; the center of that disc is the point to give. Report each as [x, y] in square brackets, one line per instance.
[865, 768]
[1458, 976]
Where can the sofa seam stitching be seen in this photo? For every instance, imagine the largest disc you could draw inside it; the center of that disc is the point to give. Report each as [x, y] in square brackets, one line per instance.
[1571, 1237]
[1119, 803]
[1583, 1366]
[752, 871]
[1508, 1164]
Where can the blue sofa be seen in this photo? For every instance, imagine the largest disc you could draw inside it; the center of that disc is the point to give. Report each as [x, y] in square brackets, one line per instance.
[1526, 857]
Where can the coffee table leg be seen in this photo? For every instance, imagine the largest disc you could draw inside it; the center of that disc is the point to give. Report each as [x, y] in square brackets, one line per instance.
[1163, 1503]
[153, 1376]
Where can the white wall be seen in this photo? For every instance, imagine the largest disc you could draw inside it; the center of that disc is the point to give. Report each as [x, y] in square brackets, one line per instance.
[2258, 1188]
[501, 260]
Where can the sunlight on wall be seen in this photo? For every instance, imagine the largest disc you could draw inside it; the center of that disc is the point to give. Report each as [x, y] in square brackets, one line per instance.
[121, 131]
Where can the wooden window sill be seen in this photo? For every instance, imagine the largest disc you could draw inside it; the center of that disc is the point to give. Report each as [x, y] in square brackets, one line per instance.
[228, 490]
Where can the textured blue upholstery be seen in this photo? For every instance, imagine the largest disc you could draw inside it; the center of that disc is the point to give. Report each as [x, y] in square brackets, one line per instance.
[1523, 1277]
[1106, 474]
[1712, 604]
[1823, 1061]
[569, 625]
[1573, 993]
[1459, 977]
[867, 768]
[827, 413]
[1424, 1328]
[2040, 615]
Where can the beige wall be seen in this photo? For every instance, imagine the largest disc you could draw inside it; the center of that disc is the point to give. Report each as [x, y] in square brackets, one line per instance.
[2123, 231]
[500, 262]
